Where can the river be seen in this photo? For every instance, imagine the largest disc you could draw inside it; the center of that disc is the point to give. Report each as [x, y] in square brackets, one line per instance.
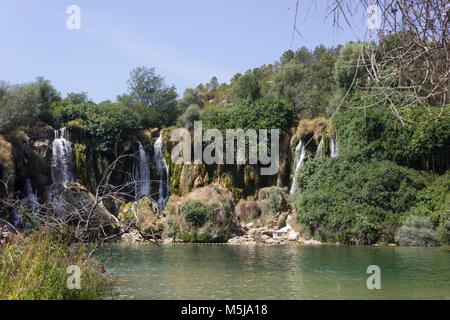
[277, 272]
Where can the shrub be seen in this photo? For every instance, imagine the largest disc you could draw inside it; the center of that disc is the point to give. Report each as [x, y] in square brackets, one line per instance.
[443, 229]
[356, 202]
[195, 212]
[172, 228]
[260, 114]
[35, 268]
[416, 231]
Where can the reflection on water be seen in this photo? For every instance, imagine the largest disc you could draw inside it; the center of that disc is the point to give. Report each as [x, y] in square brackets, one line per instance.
[278, 272]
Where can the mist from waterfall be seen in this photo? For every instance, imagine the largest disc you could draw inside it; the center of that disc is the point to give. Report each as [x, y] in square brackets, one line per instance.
[164, 179]
[142, 174]
[63, 166]
[334, 148]
[300, 153]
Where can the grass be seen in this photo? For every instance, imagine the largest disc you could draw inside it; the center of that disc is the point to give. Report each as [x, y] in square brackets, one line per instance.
[35, 268]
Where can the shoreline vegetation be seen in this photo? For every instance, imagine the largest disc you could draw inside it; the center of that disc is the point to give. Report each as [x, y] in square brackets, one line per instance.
[355, 168]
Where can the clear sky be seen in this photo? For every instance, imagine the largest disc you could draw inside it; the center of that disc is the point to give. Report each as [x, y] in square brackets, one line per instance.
[187, 41]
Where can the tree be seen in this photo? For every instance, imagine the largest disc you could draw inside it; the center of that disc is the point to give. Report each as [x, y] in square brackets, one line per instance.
[287, 57]
[149, 89]
[191, 96]
[247, 87]
[25, 103]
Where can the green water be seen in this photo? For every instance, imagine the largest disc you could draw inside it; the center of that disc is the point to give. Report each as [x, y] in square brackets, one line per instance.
[278, 272]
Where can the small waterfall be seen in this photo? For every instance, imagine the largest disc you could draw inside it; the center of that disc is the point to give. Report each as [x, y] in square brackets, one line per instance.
[334, 148]
[30, 201]
[142, 174]
[63, 159]
[319, 148]
[30, 197]
[164, 179]
[300, 152]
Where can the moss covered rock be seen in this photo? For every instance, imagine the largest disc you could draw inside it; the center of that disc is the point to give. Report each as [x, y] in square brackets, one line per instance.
[143, 214]
[204, 215]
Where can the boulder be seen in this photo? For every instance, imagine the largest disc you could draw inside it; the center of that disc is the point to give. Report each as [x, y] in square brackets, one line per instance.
[143, 214]
[212, 218]
[78, 206]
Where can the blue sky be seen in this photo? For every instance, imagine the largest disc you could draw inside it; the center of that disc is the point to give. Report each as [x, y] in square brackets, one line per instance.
[186, 41]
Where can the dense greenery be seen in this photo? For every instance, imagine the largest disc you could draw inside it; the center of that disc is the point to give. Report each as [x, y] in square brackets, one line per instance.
[25, 104]
[35, 268]
[355, 202]
[260, 114]
[393, 156]
[416, 231]
[195, 212]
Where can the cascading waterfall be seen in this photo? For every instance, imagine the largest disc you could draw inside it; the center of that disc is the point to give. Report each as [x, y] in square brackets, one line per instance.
[142, 175]
[334, 148]
[164, 179]
[63, 159]
[300, 152]
[30, 200]
[319, 148]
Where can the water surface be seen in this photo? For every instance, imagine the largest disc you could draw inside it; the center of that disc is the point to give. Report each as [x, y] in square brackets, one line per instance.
[278, 272]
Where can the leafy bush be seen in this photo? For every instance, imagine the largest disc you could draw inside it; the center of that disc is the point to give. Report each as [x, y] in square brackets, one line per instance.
[416, 231]
[34, 268]
[23, 104]
[443, 229]
[259, 114]
[195, 212]
[354, 202]
[434, 201]
[375, 132]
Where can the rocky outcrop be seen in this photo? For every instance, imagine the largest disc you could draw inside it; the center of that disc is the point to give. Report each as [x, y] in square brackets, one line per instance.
[77, 206]
[143, 215]
[204, 215]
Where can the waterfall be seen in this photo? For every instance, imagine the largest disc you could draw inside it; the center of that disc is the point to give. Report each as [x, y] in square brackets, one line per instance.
[30, 200]
[62, 159]
[164, 179]
[300, 152]
[319, 148]
[334, 148]
[142, 174]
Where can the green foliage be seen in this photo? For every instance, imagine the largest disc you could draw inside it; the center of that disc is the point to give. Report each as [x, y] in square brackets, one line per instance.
[259, 114]
[434, 201]
[443, 229]
[148, 89]
[26, 103]
[416, 231]
[351, 65]
[247, 87]
[188, 118]
[375, 132]
[172, 228]
[35, 268]
[354, 202]
[195, 212]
